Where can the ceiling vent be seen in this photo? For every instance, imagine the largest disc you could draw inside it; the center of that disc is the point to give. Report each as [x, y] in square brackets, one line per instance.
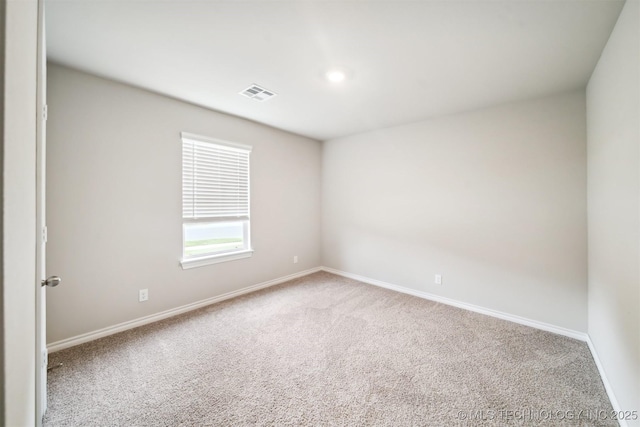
[258, 93]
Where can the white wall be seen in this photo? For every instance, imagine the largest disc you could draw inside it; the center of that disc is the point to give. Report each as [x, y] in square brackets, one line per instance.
[18, 205]
[2, 321]
[613, 120]
[494, 200]
[114, 203]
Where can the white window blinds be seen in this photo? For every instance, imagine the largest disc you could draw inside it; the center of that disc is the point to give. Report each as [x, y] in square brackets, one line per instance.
[215, 179]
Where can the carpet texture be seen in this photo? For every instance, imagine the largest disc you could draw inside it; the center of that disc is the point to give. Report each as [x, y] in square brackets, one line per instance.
[326, 350]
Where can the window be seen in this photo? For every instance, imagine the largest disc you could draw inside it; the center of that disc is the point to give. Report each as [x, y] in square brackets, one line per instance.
[215, 201]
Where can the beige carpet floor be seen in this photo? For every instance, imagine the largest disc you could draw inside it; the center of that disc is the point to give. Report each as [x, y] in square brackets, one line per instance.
[325, 350]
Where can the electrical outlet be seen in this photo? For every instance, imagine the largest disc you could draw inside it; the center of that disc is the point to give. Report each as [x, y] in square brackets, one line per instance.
[143, 295]
[438, 279]
[295, 259]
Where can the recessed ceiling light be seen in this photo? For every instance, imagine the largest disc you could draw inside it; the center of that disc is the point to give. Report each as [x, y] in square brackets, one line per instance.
[335, 76]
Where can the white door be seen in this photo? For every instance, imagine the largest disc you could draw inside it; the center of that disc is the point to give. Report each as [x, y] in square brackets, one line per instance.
[41, 232]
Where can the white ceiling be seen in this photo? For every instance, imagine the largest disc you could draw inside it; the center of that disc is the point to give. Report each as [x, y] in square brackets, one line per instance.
[407, 60]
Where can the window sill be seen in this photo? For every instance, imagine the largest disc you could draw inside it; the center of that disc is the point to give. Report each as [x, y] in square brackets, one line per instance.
[214, 259]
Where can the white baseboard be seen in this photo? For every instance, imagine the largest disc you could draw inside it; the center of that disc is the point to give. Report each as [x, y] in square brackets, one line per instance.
[90, 336]
[582, 336]
[605, 381]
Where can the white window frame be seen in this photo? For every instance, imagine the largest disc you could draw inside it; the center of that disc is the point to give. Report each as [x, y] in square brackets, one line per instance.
[233, 254]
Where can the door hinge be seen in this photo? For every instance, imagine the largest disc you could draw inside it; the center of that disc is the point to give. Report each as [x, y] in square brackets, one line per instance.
[44, 234]
[45, 112]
